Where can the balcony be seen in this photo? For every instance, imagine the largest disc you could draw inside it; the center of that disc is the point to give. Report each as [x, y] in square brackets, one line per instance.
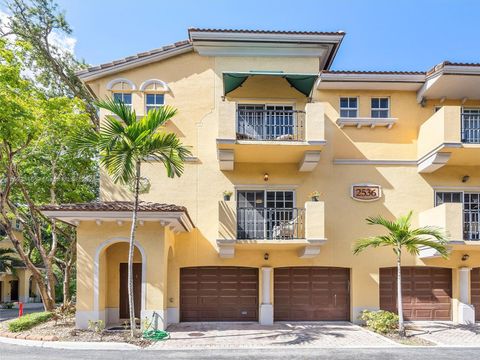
[462, 224]
[259, 133]
[449, 137]
[301, 229]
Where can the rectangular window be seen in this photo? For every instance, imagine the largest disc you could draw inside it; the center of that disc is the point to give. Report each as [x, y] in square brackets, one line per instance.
[126, 98]
[447, 197]
[154, 101]
[348, 107]
[380, 107]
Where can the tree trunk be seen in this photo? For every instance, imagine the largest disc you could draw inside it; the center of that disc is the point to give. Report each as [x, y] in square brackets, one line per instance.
[401, 325]
[66, 284]
[131, 249]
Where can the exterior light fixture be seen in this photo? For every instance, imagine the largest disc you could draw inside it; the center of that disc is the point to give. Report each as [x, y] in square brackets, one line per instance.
[265, 177]
[266, 256]
[465, 178]
[465, 257]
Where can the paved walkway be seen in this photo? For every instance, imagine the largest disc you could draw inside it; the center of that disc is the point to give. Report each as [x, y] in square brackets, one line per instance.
[253, 335]
[446, 333]
[7, 314]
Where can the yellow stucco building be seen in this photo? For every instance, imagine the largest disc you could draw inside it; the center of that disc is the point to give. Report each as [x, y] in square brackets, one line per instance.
[268, 121]
[19, 285]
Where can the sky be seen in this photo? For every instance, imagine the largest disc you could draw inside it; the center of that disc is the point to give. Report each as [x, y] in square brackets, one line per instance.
[381, 35]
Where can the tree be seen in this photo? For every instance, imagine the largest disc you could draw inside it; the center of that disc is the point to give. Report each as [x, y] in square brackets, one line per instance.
[37, 166]
[36, 23]
[7, 260]
[401, 236]
[123, 143]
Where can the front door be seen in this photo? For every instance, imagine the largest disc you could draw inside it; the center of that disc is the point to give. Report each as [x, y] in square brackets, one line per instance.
[14, 290]
[137, 289]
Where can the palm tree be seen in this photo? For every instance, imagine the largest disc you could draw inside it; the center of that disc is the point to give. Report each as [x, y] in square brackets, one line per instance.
[123, 143]
[401, 236]
[7, 261]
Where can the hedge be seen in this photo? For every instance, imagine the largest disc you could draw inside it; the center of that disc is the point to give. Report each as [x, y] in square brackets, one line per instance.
[28, 321]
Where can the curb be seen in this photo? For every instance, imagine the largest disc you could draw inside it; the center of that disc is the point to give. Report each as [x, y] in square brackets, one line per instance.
[27, 337]
[70, 345]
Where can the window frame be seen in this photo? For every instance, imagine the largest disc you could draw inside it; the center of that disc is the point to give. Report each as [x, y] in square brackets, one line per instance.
[156, 106]
[357, 109]
[123, 93]
[372, 109]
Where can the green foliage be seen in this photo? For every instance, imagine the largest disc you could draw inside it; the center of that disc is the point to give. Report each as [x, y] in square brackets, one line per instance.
[401, 235]
[380, 321]
[7, 305]
[124, 141]
[7, 259]
[29, 321]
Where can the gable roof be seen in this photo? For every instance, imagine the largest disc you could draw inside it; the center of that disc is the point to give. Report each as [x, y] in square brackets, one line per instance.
[143, 58]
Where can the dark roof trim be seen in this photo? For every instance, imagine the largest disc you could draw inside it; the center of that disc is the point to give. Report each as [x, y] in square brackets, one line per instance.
[286, 32]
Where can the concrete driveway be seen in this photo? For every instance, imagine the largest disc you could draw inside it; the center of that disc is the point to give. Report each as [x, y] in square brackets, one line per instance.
[445, 333]
[253, 335]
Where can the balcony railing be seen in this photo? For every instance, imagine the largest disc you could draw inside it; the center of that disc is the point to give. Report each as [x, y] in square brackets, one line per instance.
[471, 128]
[270, 125]
[270, 223]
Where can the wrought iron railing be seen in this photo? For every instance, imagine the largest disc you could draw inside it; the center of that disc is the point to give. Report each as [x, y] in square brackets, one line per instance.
[271, 223]
[270, 125]
[471, 224]
[471, 128]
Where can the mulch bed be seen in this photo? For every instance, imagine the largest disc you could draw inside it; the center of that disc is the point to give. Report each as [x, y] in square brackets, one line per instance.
[410, 339]
[65, 331]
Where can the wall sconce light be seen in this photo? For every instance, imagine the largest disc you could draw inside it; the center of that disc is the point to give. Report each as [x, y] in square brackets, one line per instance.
[465, 178]
[265, 177]
[266, 256]
[465, 257]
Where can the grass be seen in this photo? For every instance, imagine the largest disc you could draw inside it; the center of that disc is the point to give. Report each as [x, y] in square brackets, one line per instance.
[29, 321]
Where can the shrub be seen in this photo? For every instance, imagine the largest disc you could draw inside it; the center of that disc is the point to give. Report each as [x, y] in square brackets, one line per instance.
[28, 321]
[380, 321]
[7, 305]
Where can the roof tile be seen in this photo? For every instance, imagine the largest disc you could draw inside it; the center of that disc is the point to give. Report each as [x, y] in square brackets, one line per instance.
[267, 31]
[143, 206]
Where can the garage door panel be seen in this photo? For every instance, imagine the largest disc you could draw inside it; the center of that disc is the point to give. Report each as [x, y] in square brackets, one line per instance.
[426, 292]
[218, 294]
[308, 293]
[475, 291]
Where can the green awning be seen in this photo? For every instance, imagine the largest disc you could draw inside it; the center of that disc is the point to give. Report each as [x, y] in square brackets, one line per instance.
[302, 82]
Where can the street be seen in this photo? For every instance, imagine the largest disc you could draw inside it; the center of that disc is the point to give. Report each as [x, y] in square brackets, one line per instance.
[14, 352]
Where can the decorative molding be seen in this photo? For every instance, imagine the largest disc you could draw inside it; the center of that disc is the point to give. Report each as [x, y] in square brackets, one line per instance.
[309, 161]
[434, 162]
[113, 82]
[163, 84]
[374, 162]
[366, 121]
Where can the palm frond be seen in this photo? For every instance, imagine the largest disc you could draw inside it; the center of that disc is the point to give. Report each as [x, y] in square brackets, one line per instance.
[375, 241]
[118, 108]
[380, 220]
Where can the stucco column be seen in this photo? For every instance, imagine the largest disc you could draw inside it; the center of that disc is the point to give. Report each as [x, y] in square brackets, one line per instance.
[266, 307]
[466, 312]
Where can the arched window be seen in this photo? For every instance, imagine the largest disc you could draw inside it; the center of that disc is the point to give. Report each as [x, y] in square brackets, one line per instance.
[154, 90]
[122, 90]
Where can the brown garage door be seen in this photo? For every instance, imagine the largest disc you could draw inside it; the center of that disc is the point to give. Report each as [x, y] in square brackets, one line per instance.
[218, 294]
[311, 294]
[426, 292]
[475, 291]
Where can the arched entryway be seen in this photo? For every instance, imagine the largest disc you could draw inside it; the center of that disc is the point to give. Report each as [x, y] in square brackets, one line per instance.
[110, 281]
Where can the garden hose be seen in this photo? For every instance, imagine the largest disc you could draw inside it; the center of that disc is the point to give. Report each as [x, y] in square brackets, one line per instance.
[156, 335]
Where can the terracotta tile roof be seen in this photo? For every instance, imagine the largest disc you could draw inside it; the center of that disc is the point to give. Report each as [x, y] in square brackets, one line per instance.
[268, 31]
[138, 56]
[374, 72]
[115, 206]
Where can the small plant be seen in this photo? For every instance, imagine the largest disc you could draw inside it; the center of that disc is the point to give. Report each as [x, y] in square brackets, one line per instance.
[314, 196]
[146, 323]
[227, 195]
[29, 321]
[380, 321]
[97, 327]
[64, 312]
[7, 305]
